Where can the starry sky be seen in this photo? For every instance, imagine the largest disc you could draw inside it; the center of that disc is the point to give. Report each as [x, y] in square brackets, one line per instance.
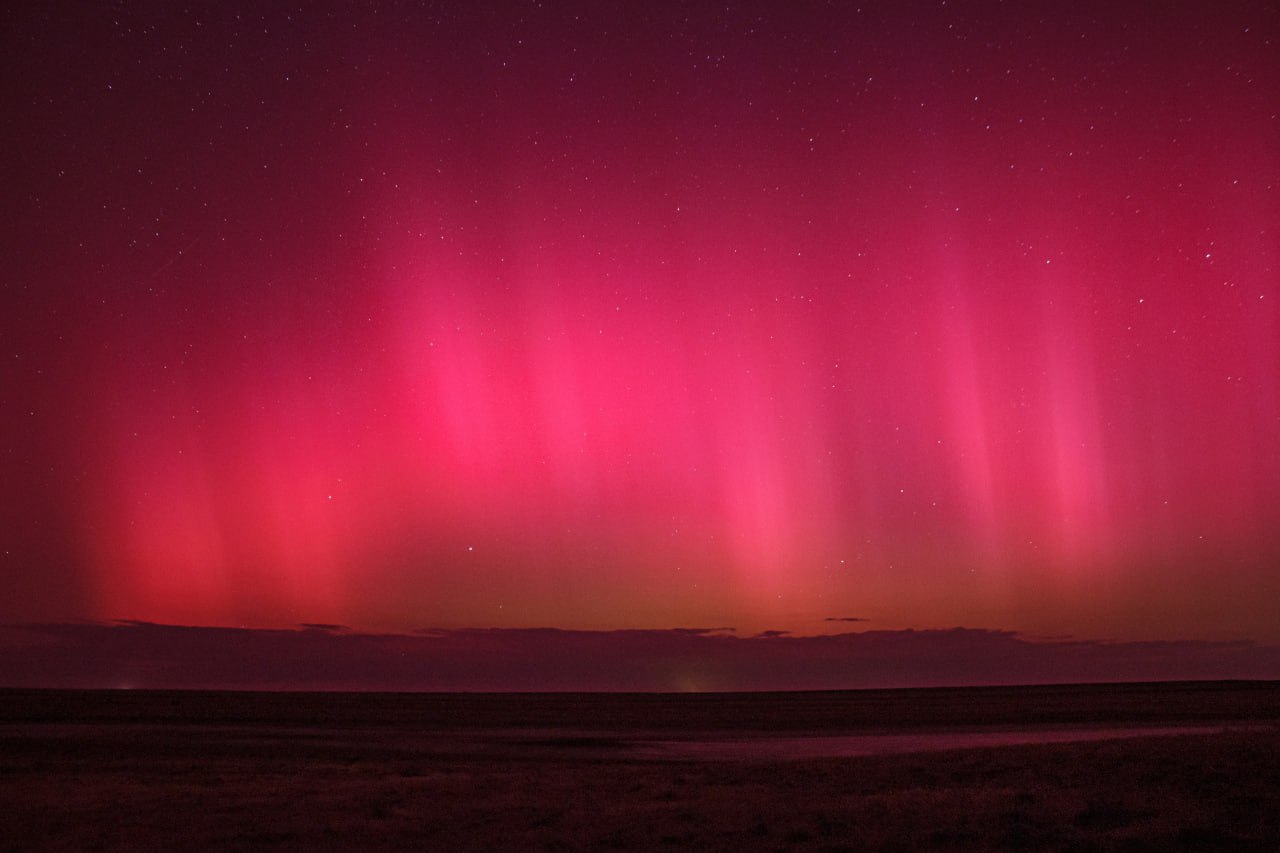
[607, 316]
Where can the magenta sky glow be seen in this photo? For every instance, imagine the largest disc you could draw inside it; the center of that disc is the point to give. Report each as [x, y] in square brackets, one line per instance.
[625, 316]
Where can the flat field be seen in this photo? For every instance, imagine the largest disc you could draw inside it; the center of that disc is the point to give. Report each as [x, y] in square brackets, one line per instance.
[1184, 766]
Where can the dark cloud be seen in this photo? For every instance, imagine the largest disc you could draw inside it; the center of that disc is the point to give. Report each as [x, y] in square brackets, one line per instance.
[140, 654]
[767, 634]
[845, 619]
[323, 626]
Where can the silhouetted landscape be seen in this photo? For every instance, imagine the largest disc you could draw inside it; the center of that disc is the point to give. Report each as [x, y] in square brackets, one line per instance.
[1122, 766]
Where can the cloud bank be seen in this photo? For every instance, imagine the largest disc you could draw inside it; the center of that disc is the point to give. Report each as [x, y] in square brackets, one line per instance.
[324, 657]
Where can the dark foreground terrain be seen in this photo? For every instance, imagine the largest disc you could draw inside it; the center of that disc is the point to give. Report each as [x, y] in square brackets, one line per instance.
[1180, 766]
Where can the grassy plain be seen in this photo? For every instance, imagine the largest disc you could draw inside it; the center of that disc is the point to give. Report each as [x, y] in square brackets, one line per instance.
[87, 770]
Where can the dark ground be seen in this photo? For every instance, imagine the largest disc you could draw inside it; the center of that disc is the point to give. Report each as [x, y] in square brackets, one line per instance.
[238, 771]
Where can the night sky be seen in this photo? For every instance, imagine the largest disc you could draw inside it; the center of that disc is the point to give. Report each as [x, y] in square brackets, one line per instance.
[610, 316]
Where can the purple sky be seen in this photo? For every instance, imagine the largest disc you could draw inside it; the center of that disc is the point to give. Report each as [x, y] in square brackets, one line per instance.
[611, 316]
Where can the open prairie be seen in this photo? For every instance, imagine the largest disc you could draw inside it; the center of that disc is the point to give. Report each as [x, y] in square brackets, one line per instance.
[1094, 767]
